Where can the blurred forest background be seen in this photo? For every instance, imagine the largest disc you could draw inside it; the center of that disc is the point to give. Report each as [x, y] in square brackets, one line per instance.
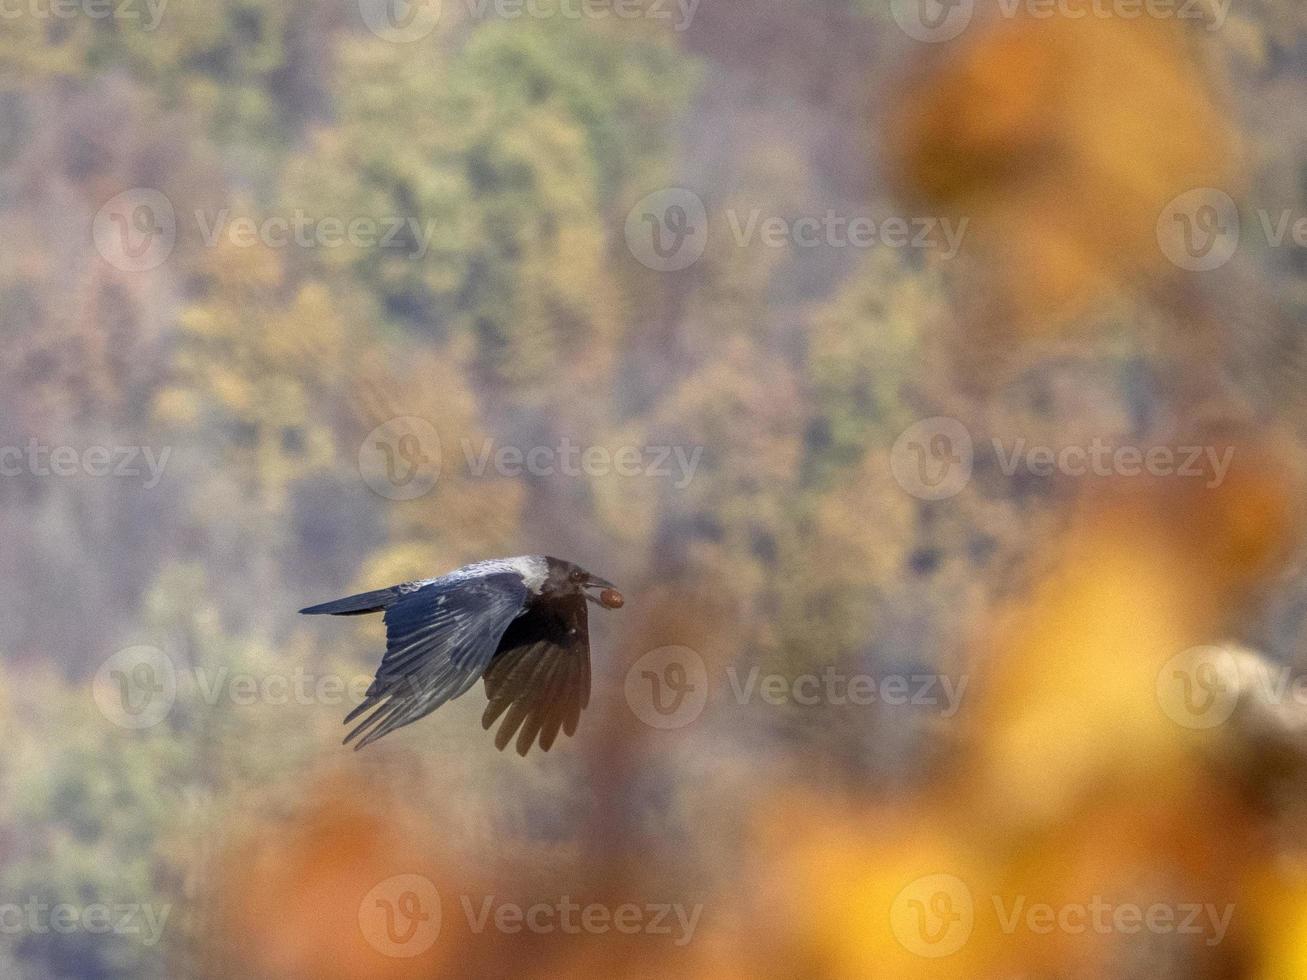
[514, 308]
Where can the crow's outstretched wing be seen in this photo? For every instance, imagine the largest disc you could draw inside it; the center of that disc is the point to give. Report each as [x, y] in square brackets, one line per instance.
[541, 674]
[439, 639]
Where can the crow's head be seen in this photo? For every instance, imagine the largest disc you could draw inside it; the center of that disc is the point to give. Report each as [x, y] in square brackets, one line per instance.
[565, 578]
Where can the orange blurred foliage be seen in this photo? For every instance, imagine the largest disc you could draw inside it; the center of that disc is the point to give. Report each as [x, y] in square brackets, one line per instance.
[341, 888]
[1061, 140]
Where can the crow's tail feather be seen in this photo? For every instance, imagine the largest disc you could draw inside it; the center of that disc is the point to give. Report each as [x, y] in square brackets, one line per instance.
[355, 605]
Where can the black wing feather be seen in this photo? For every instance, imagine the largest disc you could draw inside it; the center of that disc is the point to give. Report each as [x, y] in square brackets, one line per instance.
[539, 679]
[439, 639]
[355, 605]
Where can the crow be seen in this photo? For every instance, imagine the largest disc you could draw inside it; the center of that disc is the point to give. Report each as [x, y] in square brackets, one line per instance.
[518, 623]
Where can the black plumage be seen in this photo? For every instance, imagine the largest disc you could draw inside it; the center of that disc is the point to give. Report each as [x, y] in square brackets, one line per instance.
[519, 623]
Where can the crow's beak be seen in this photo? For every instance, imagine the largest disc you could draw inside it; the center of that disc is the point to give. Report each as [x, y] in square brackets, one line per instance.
[608, 596]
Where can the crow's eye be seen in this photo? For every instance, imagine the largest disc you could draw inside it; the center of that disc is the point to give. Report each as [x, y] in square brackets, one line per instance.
[577, 575]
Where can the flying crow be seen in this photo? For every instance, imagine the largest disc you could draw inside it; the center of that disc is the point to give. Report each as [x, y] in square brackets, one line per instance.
[519, 623]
